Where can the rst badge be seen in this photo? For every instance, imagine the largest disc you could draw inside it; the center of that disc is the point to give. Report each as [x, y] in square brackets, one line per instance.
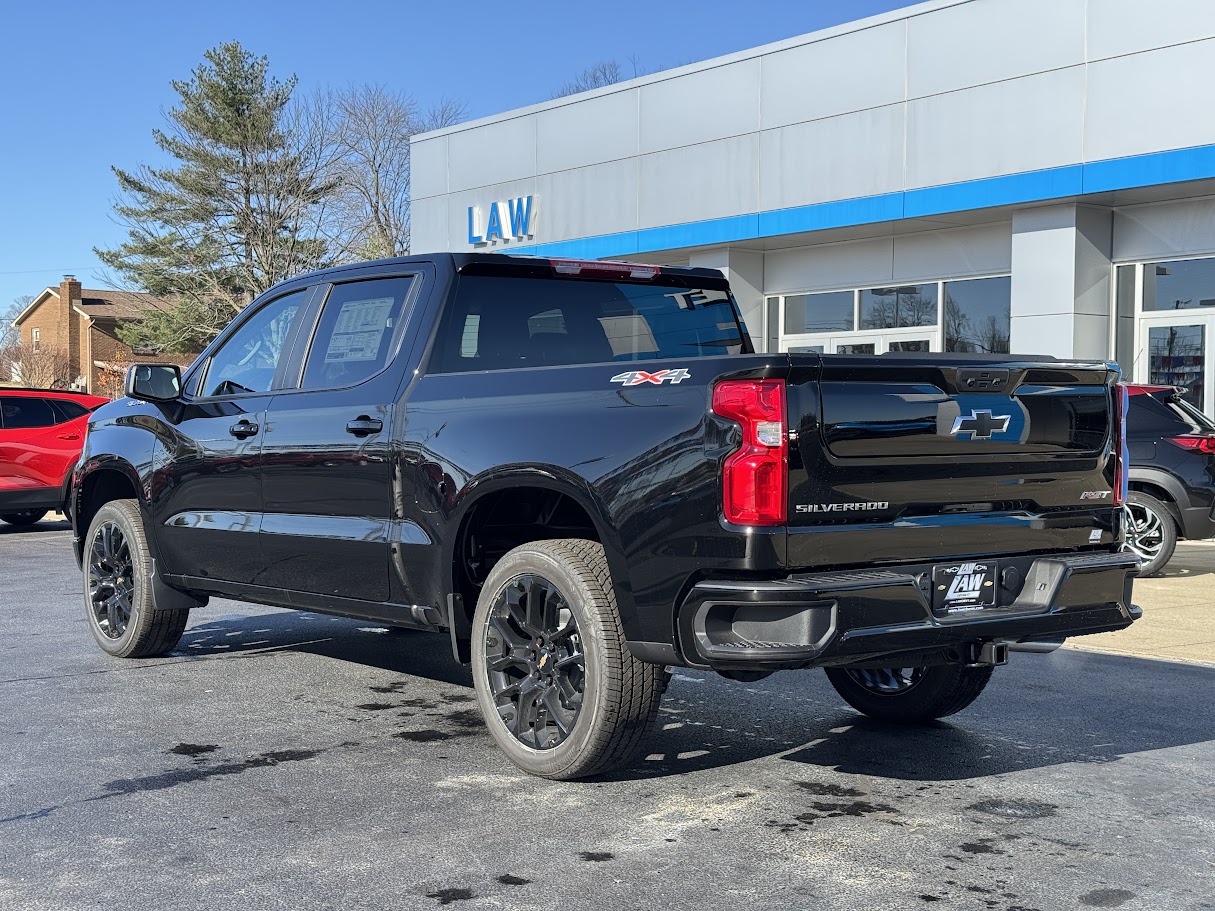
[637, 377]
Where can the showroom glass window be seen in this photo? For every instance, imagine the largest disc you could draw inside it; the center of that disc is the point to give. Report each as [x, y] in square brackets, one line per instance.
[977, 315]
[899, 306]
[1184, 284]
[834, 311]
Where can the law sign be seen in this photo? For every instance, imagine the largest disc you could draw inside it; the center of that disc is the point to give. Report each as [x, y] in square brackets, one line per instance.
[511, 219]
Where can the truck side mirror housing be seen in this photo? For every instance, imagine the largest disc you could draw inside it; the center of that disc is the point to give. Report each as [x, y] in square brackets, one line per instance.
[153, 382]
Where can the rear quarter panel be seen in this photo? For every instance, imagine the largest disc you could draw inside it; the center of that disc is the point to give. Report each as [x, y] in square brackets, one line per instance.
[643, 460]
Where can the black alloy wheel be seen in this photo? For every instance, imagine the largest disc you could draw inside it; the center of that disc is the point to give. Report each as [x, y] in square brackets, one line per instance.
[535, 662]
[110, 580]
[24, 517]
[910, 695]
[887, 681]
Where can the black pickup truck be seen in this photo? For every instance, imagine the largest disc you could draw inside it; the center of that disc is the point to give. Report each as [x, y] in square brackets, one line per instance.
[584, 472]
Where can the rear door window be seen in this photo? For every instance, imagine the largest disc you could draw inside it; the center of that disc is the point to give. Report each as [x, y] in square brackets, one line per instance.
[356, 333]
[496, 322]
[20, 413]
[66, 410]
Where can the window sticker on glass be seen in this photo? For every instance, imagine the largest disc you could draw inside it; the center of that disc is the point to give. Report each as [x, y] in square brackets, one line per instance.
[359, 332]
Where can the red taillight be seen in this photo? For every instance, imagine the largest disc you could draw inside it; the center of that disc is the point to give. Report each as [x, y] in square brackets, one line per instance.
[1122, 457]
[1197, 443]
[754, 477]
[603, 268]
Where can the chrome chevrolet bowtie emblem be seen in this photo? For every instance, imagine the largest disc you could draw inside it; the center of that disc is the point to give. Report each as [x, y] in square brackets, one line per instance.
[981, 424]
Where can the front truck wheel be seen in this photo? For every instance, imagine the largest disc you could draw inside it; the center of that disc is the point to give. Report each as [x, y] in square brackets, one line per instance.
[118, 600]
[561, 693]
[910, 695]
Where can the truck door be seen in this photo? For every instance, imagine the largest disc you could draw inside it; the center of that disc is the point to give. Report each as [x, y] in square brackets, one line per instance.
[328, 526]
[209, 497]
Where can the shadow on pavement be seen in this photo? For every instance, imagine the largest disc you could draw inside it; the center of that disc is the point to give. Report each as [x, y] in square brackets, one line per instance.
[1189, 561]
[46, 525]
[1039, 711]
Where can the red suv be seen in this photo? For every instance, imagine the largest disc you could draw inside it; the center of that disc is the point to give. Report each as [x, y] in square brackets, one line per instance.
[41, 434]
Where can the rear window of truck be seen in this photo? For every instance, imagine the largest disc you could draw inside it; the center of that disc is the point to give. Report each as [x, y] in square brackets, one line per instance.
[498, 323]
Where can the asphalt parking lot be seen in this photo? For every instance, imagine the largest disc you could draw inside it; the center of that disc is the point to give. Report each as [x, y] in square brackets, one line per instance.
[287, 760]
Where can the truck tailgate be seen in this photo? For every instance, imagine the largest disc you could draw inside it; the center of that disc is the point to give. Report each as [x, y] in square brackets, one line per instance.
[908, 458]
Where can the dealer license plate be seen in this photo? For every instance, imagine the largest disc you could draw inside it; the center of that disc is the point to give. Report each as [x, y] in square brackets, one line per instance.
[958, 587]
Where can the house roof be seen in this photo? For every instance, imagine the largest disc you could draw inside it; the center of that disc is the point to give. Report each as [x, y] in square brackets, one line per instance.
[119, 304]
[104, 303]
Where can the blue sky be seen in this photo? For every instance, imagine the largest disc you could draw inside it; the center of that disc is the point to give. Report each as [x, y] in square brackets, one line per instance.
[84, 83]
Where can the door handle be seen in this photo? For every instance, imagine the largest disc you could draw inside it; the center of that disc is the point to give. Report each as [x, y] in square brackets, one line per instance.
[69, 436]
[242, 429]
[364, 425]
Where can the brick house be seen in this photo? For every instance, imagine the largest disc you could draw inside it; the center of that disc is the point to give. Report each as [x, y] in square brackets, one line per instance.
[84, 324]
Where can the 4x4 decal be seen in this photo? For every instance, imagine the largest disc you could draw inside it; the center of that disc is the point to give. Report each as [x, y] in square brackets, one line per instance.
[637, 377]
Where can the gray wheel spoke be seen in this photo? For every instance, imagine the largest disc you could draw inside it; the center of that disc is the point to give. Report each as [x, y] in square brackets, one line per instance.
[562, 717]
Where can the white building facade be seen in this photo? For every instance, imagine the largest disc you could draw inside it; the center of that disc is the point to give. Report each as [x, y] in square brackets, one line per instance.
[961, 175]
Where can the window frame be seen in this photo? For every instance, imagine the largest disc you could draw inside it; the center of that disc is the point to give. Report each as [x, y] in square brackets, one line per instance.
[196, 381]
[311, 324]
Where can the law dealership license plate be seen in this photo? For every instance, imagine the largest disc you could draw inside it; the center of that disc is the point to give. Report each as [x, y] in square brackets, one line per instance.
[963, 586]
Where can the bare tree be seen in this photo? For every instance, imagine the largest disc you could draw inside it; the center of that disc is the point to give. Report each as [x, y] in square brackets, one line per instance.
[46, 367]
[596, 76]
[9, 333]
[366, 154]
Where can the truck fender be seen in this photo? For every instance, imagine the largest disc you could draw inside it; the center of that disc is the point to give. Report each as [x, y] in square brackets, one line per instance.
[548, 477]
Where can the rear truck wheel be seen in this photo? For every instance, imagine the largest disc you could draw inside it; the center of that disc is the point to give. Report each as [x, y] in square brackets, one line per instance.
[118, 599]
[25, 517]
[910, 695]
[561, 693]
[1151, 532]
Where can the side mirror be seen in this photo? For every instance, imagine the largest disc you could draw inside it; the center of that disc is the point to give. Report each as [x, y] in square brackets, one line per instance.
[153, 382]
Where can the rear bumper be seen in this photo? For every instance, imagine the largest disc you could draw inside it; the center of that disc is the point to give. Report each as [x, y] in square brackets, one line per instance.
[875, 616]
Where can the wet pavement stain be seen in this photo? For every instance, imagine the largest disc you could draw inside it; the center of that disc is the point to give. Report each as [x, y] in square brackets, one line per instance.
[427, 736]
[1106, 898]
[818, 789]
[596, 856]
[174, 777]
[447, 896]
[979, 848]
[459, 697]
[376, 706]
[857, 808]
[508, 879]
[1015, 809]
[193, 749]
[465, 718]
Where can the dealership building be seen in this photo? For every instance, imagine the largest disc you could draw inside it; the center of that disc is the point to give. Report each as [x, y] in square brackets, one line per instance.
[960, 175]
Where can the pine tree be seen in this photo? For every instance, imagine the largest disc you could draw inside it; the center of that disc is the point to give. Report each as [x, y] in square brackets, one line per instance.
[237, 212]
